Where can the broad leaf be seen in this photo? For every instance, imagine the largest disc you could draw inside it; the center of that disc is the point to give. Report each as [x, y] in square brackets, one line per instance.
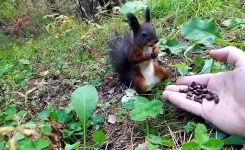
[84, 99]
[192, 145]
[155, 139]
[153, 108]
[61, 114]
[183, 69]
[167, 141]
[41, 143]
[10, 110]
[74, 146]
[234, 140]
[43, 115]
[201, 133]
[207, 66]
[24, 61]
[99, 137]
[132, 7]
[174, 46]
[203, 31]
[140, 101]
[213, 144]
[138, 114]
[26, 144]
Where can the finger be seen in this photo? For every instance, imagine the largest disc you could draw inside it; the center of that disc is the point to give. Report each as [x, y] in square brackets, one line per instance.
[200, 79]
[175, 88]
[230, 54]
[176, 93]
[185, 104]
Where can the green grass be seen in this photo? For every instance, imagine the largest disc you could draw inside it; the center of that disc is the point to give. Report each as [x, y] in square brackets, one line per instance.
[76, 55]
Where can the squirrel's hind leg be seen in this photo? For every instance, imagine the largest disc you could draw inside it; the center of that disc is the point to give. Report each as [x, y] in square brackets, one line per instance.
[161, 72]
[140, 84]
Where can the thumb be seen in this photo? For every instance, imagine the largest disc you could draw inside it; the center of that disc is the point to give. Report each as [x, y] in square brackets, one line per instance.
[229, 54]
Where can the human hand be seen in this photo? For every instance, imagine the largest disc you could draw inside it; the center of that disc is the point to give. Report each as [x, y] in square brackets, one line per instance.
[229, 114]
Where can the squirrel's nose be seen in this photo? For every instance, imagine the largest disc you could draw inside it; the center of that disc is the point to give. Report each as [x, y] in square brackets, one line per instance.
[156, 41]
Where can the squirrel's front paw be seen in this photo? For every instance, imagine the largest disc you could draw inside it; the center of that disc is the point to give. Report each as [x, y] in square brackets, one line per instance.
[154, 48]
[154, 55]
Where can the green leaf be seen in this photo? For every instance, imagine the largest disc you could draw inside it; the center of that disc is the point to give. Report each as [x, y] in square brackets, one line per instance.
[219, 134]
[98, 137]
[53, 116]
[203, 31]
[26, 144]
[189, 127]
[167, 141]
[10, 110]
[213, 144]
[207, 66]
[19, 136]
[199, 62]
[98, 118]
[41, 143]
[61, 114]
[234, 140]
[84, 99]
[24, 61]
[201, 133]
[46, 127]
[155, 139]
[140, 101]
[129, 105]
[174, 46]
[43, 115]
[183, 69]
[192, 145]
[73, 146]
[138, 114]
[31, 125]
[132, 7]
[153, 108]
[21, 113]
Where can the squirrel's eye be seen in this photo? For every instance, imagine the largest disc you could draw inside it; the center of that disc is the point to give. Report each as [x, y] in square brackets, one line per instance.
[144, 34]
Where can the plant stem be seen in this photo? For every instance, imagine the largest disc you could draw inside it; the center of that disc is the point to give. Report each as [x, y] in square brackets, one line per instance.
[147, 128]
[212, 66]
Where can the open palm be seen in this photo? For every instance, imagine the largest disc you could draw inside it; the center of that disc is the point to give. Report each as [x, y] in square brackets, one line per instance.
[229, 114]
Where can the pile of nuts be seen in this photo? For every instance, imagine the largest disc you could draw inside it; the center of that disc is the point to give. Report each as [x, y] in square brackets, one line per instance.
[198, 92]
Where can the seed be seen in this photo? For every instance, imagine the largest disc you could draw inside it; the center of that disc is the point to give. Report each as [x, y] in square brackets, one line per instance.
[202, 96]
[183, 90]
[188, 97]
[189, 94]
[190, 88]
[199, 90]
[205, 91]
[198, 86]
[209, 97]
[203, 86]
[210, 92]
[196, 92]
[216, 100]
[193, 84]
[195, 98]
[199, 101]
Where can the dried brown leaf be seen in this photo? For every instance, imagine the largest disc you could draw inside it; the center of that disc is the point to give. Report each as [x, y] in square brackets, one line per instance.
[13, 143]
[6, 130]
[30, 133]
[16, 117]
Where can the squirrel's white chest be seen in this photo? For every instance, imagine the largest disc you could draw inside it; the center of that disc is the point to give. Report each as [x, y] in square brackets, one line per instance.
[147, 69]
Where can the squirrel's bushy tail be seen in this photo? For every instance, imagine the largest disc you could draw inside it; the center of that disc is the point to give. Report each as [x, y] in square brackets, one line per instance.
[118, 48]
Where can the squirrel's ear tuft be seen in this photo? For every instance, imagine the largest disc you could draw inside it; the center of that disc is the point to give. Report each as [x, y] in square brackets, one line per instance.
[148, 14]
[133, 22]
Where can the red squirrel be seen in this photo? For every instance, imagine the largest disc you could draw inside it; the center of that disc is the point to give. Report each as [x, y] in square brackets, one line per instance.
[132, 55]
